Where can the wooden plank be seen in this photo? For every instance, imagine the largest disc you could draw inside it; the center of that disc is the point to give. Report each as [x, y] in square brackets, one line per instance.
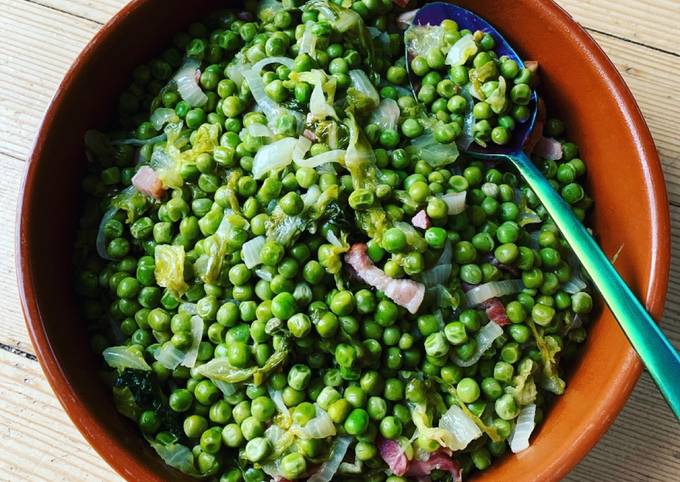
[39, 442]
[99, 11]
[650, 22]
[39, 45]
[642, 445]
[12, 328]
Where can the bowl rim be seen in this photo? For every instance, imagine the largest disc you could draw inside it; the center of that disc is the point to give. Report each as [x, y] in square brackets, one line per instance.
[130, 467]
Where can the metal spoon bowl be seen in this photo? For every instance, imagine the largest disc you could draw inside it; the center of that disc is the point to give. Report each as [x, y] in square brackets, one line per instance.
[655, 350]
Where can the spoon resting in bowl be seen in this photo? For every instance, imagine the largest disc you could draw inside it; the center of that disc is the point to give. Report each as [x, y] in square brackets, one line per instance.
[655, 350]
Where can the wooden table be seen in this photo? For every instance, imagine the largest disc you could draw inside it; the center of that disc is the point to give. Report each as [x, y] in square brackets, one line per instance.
[38, 41]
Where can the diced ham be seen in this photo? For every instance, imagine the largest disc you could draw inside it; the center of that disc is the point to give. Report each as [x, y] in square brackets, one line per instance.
[439, 460]
[531, 65]
[495, 311]
[421, 220]
[401, 3]
[548, 148]
[394, 456]
[404, 292]
[309, 135]
[147, 182]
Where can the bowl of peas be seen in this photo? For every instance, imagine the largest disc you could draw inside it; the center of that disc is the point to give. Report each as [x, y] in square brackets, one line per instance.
[274, 259]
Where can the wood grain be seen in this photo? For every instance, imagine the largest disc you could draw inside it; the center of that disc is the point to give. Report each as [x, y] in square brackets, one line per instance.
[40, 39]
[37, 440]
[650, 22]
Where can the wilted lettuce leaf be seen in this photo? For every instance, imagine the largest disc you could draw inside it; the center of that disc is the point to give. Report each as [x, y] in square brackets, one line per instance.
[169, 268]
[177, 456]
[361, 164]
[549, 349]
[132, 202]
[221, 369]
[122, 357]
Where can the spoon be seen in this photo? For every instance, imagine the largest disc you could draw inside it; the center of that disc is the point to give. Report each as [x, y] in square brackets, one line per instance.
[655, 350]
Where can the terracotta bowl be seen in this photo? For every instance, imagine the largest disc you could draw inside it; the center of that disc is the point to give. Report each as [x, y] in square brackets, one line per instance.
[579, 83]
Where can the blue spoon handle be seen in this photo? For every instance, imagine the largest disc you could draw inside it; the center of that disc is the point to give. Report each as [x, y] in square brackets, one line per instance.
[655, 350]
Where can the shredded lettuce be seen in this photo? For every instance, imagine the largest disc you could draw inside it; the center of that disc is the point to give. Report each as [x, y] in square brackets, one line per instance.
[361, 95]
[349, 22]
[549, 348]
[323, 94]
[221, 369]
[177, 456]
[360, 162]
[125, 403]
[386, 116]
[420, 39]
[215, 247]
[169, 268]
[285, 229]
[524, 389]
[434, 153]
[332, 254]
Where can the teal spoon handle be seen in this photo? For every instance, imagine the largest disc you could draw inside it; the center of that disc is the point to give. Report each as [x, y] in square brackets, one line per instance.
[655, 350]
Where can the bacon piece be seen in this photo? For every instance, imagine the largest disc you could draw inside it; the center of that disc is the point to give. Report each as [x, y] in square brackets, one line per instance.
[421, 220]
[548, 148]
[394, 456]
[495, 311]
[404, 292]
[531, 65]
[439, 460]
[147, 182]
[309, 135]
[401, 3]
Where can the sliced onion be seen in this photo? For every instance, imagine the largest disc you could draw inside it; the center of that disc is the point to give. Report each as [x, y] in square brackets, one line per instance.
[455, 202]
[519, 438]
[461, 51]
[274, 156]
[308, 43]
[190, 356]
[266, 104]
[333, 239]
[235, 72]
[258, 66]
[188, 308]
[438, 275]
[169, 356]
[321, 426]
[162, 116]
[311, 196]
[328, 469]
[141, 142]
[303, 145]
[188, 88]
[337, 155]
[227, 389]
[485, 338]
[462, 427]
[259, 130]
[493, 289]
[251, 251]
[574, 285]
[277, 397]
[123, 357]
[263, 274]
[386, 116]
